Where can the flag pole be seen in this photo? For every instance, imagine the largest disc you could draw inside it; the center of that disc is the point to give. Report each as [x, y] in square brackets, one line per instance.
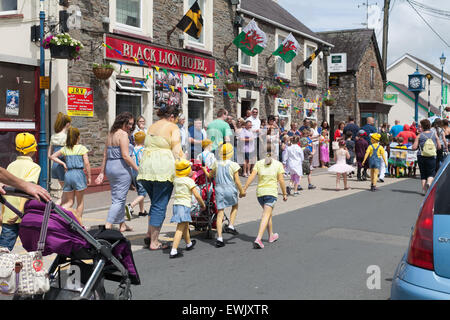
[225, 49]
[269, 58]
[169, 34]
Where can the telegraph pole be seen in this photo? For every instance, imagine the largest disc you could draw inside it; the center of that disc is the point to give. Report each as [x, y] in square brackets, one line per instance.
[385, 31]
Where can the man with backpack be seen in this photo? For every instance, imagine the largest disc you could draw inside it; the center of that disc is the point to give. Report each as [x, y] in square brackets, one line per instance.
[427, 143]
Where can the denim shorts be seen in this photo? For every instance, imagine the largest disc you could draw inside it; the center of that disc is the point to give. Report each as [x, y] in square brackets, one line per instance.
[181, 214]
[159, 193]
[267, 201]
[9, 235]
[74, 180]
[140, 189]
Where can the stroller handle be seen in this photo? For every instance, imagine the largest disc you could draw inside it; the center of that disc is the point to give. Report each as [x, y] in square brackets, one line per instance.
[10, 191]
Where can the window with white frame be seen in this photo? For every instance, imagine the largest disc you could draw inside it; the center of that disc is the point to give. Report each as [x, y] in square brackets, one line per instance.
[247, 63]
[281, 65]
[8, 7]
[205, 42]
[129, 13]
[201, 40]
[282, 69]
[311, 71]
[131, 16]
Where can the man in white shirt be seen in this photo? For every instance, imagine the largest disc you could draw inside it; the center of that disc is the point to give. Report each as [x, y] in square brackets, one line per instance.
[256, 123]
[183, 131]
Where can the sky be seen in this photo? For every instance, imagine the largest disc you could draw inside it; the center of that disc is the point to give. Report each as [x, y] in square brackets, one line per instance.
[408, 33]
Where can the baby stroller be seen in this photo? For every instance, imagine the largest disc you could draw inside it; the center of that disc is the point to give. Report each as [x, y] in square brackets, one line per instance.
[90, 256]
[204, 220]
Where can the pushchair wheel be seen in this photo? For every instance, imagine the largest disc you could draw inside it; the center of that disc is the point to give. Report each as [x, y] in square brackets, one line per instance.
[123, 293]
[209, 234]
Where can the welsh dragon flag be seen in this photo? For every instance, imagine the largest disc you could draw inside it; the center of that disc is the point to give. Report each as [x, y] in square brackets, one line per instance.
[288, 49]
[251, 40]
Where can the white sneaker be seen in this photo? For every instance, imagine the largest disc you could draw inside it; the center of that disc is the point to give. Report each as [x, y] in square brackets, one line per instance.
[128, 211]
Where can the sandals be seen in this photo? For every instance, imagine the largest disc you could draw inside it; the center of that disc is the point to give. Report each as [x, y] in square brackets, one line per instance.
[162, 246]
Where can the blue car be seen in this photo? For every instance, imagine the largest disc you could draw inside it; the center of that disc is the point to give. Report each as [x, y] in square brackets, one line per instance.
[424, 271]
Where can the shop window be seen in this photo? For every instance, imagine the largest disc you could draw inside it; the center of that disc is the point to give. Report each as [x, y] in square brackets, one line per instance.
[8, 7]
[129, 13]
[283, 108]
[130, 102]
[310, 110]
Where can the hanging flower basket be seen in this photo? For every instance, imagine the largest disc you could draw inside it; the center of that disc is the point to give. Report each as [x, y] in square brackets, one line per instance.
[273, 91]
[103, 71]
[63, 46]
[61, 52]
[329, 102]
[232, 86]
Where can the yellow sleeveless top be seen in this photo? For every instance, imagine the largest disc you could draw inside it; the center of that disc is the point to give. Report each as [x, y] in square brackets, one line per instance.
[158, 162]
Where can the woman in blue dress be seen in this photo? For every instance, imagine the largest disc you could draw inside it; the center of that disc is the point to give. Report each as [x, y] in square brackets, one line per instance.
[117, 164]
[75, 161]
[57, 141]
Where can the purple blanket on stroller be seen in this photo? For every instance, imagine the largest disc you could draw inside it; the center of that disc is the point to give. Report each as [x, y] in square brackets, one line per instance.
[62, 239]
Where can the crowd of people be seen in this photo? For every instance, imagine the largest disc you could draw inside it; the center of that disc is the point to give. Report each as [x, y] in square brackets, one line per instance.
[156, 161]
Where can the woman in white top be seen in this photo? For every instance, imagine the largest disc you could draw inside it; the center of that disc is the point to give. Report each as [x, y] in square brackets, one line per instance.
[140, 125]
[315, 138]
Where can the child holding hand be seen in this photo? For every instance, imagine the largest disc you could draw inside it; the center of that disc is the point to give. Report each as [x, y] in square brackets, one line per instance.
[184, 188]
[226, 173]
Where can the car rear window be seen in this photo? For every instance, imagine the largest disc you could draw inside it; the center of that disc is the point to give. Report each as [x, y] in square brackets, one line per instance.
[442, 201]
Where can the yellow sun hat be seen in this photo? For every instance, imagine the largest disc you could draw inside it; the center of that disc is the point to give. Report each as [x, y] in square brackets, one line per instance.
[226, 151]
[139, 137]
[25, 143]
[375, 136]
[182, 168]
[206, 143]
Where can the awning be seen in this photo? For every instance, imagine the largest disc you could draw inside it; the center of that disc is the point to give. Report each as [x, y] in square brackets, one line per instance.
[200, 94]
[374, 106]
[129, 86]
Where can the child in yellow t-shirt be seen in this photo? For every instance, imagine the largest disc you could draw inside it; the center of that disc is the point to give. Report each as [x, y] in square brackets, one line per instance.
[184, 188]
[24, 168]
[270, 173]
[375, 153]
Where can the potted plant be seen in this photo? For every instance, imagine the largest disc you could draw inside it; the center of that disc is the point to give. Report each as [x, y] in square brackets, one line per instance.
[63, 46]
[232, 85]
[329, 101]
[102, 71]
[273, 90]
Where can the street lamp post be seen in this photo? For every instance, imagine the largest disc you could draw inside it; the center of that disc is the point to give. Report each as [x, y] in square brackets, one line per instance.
[442, 60]
[42, 133]
[429, 78]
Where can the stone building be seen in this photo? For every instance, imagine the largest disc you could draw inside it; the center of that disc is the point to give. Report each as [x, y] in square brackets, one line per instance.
[358, 91]
[156, 63]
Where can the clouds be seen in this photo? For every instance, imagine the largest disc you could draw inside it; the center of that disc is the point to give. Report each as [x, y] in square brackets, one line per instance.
[408, 33]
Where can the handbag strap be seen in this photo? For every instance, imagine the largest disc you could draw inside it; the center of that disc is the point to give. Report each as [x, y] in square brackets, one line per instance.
[44, 227]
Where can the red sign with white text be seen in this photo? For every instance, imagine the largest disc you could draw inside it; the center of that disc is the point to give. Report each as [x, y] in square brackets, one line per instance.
[154, 56]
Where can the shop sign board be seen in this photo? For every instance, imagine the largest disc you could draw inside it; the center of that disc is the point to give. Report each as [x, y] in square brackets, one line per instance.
[80, 101]
[337, 62]
[161, 57]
